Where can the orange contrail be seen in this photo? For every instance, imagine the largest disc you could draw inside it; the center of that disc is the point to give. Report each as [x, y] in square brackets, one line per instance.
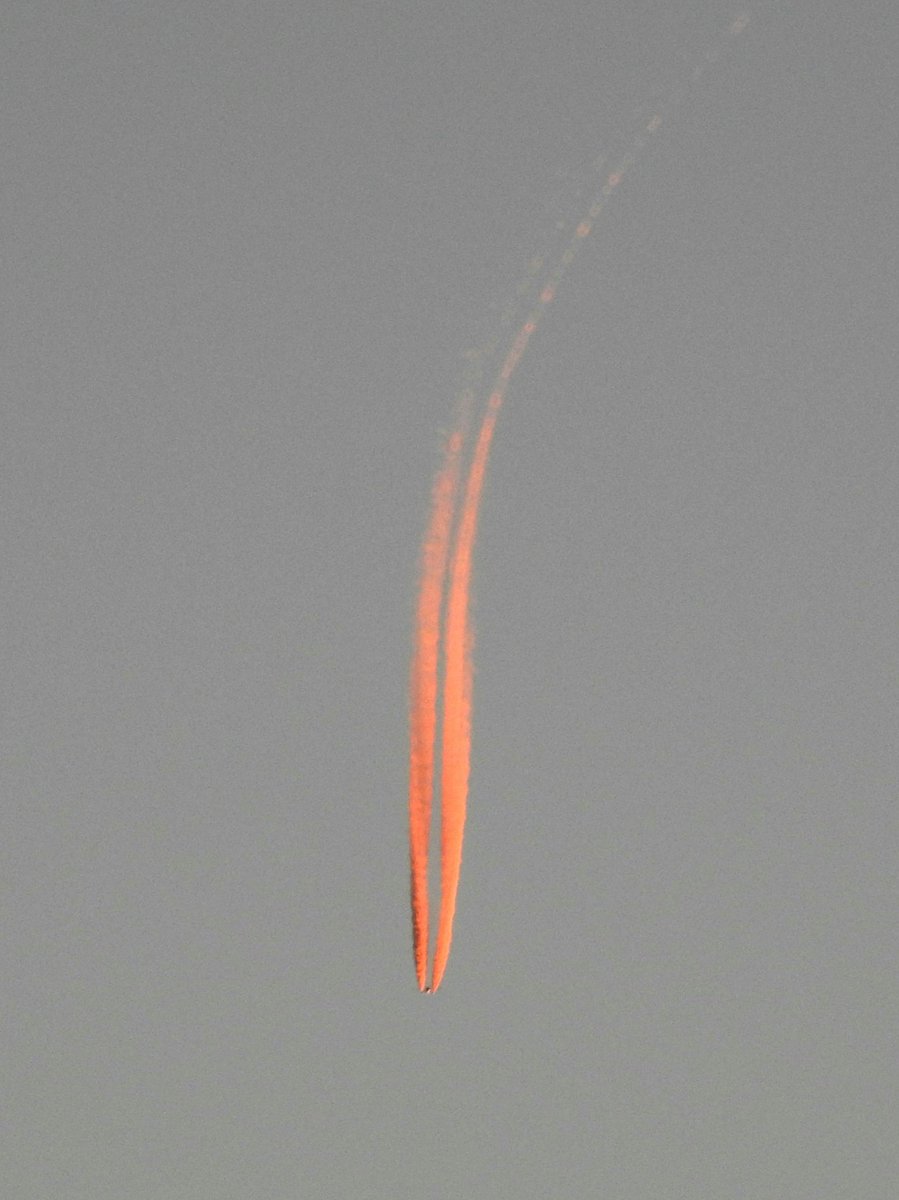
[458, 646]
[456, 738]
[423, 692]
[458, 634]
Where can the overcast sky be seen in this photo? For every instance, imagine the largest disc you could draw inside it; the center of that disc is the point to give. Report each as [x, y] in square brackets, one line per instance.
[245, 247]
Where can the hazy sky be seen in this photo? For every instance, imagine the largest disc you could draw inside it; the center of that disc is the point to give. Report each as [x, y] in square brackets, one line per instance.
[245, 247]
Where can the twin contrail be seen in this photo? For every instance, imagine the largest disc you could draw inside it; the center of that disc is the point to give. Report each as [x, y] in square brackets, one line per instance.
[423, 687]
[443, 617]
[442, 557]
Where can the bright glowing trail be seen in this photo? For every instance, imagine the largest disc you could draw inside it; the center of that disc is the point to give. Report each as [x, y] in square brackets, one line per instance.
[449, 553]
[423, 692]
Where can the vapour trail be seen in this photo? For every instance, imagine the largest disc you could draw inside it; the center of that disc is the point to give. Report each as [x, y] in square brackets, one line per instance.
[458, 640]
[458, 647]
[459, 636]
[423, 692]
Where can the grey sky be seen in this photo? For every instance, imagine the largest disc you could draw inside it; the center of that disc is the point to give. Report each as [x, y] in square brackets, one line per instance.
[244, 249]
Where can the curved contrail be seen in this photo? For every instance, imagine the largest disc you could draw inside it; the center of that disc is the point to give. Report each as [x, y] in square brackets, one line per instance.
[459, 643]
[446, 566]
[423, 691]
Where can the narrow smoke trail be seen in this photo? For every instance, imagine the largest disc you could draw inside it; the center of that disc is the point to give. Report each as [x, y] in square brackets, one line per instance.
[458, 639]
[423, 692]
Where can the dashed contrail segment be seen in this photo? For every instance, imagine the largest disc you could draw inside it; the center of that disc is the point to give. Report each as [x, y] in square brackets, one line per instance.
[446, 567]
